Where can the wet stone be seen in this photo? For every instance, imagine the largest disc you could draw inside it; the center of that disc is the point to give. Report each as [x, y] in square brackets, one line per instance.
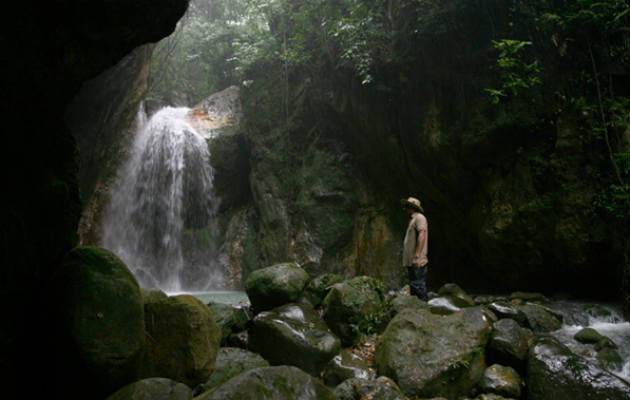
[509, 343]
[346, 365]
[504, 310]
[504, 381]
[588, 335]
[443, 306]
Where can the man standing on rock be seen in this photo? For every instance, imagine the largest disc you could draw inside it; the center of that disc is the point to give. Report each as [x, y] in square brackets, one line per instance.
[415, 248]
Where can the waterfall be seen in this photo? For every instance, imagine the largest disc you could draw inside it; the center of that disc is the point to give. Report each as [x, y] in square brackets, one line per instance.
[161, 217]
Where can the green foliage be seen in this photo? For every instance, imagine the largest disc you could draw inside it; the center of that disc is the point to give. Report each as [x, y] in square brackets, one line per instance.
[515, 73]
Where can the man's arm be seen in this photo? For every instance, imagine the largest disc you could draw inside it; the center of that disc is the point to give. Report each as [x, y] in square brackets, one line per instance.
[419, 246]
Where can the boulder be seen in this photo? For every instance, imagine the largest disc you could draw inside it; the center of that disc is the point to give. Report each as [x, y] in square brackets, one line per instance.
[539, 318]
[346, 365]
[274, 286]
[443, 306]
[271, 383]
[609, 359]
[355, 306]
[429, 355]
[528, 296]
[504, 381]
[154, 389]
[230, 319]
[318, 287]
[231, 361]
[402, 301]
[182, 340]
[457, 295]
[382, 388]
[588, 335]
[503, 309]
[99, 320]
[293, 334]
[509, 343]
[491, 396]
[152, 295]
[239, 339]
[554, 372]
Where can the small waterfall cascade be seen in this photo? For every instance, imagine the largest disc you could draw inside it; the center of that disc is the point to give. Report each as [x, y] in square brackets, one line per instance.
[161, 217]
[606, 320]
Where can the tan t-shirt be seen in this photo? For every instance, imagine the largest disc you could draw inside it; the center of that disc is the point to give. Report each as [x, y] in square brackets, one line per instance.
[417, 223]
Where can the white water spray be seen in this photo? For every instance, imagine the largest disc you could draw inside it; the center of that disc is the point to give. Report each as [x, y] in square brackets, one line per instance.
[161, 219]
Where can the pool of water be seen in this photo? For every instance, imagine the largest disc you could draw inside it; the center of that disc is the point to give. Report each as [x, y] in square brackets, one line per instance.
[232, 297]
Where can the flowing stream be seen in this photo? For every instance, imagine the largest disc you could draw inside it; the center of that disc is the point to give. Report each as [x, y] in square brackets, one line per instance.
[161, 218]
[605, 319]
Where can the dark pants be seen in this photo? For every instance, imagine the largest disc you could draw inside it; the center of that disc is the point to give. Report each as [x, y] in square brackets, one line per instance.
[418, 281]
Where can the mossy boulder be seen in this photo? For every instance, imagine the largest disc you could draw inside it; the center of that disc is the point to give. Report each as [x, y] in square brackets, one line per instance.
[554, 372]
[230, 362]
[100, 319]
[509, 343]
[430, 355]
[229, 318]
[346, 365]
[293, 334]
[355, 306]
[182, 340]
[274, 286]
[154, 389]
[271, 383]
[318, 287]
[501, 380]
[588, 335]
[152, 295]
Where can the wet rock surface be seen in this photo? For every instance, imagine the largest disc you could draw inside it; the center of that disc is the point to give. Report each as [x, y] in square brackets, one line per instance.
[346, 365]
[318, 287]
[430, 355]
[229, 318]
[271, 383]
[382, 388]
[504, 381]
[539, 318]
[443, 306]
[554, 372]
[509, 343]
[293, 334]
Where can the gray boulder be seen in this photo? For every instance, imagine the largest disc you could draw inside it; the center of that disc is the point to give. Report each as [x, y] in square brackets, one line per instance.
[540, 319]
[504, 381]
[346, 365]
[99, 319]
[271, 383]
[274, 286]
[383, 388]
[509, 344]
[354, 307]
[230, 362]
[503, 310]
[153, 389]
[182, 340]
[293, 335]
[554, 372]
[430, 355]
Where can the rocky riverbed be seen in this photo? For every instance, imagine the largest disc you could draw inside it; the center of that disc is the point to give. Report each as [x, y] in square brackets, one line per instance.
[324, 338]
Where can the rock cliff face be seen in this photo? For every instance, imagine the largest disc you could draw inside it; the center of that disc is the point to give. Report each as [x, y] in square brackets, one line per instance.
[51, 48]
[508, 189]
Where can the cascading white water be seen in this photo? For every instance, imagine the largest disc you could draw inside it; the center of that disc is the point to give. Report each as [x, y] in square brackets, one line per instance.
[160, 220]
